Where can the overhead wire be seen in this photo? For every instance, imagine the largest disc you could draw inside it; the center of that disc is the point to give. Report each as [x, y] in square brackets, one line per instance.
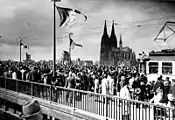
[135, 25]
[132, 25]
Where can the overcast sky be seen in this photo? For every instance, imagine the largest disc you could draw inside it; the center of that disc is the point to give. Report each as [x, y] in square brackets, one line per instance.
[33, 20]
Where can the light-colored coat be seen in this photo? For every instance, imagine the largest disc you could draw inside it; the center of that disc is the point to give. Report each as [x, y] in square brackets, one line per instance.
[111, 85]
[124, 93]
[96, 85]
[105, 87]
[14, 76]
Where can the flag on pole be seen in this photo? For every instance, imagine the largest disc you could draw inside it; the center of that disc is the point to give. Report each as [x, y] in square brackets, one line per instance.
[66, 15]
[72, 43]
[24, 46]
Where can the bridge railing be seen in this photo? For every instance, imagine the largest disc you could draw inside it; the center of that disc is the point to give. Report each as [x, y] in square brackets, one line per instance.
[111, 107]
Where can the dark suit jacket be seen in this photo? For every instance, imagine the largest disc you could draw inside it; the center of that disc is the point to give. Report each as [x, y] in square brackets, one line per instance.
[157, 85]
[33, 76]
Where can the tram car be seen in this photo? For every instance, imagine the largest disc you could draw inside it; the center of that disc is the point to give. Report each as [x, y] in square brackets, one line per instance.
[161, 63]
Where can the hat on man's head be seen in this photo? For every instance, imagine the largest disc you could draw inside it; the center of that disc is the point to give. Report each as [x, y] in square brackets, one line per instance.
[31, 109]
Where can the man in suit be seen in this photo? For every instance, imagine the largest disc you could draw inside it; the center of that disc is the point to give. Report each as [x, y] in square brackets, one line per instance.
[69, 83]
[158, 84]
[33, 75]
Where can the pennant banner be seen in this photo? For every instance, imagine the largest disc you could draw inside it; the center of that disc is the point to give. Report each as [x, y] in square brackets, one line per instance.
[67, 14]
[24, 46]
[72, 43]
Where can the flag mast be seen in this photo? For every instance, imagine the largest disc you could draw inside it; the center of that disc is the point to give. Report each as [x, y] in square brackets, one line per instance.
[20, 42]
[54, 41]
[54, 37]
[69, 55]
[70, 43]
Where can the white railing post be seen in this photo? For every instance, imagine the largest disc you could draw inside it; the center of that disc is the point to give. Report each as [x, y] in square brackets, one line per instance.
[105, 109]
[73, 99]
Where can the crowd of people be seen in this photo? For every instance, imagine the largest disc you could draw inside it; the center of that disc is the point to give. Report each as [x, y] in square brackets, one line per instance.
[108, 80]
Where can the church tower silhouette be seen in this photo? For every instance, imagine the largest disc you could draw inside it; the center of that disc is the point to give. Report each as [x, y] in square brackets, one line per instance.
[113, 54]
[105, 44]
[106, 55]
[113, 38]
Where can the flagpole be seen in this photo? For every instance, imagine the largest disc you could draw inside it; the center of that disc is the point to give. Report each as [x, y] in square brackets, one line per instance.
[69, 56]
[20, 51]
[54, 41]
[54, 44]
[20, 41]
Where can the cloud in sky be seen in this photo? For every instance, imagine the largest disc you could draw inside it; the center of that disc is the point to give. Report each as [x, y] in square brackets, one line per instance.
[33, 19]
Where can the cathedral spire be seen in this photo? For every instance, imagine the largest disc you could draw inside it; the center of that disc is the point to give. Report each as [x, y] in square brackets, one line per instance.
[120, 42]
[104, 46]
[113, 30]
[113, 39]
[105, 29]
[105, 37]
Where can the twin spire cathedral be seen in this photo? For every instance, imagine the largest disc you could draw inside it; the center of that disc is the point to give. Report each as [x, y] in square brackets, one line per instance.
[111, 53]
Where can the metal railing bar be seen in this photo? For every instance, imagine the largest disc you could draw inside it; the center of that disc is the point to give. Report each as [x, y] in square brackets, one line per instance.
[97, 94]
[105, 105]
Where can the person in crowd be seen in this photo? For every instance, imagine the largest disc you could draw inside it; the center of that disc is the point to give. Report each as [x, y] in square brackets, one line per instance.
[18, 73]
[23, 76]
[166, 90]
[70, 83]
[158, 84]
[33, 75]
[172, 90]
[125, 93]
[149, 90]
[171, 103]
[14, 75]
[122, 80]
[10, 73]
[105, 85]
[158, 100]
[110, 79]
[131, 80]
[137, 88]
[96, 85]
[5, 74]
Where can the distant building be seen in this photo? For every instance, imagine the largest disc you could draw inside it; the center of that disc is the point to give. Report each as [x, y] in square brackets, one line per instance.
[28, 58]
[82, 62]
[87, 62]
[66, 57]
[112, 54]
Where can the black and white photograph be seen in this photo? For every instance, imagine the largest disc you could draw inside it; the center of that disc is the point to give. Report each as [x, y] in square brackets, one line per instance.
[87, 59]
